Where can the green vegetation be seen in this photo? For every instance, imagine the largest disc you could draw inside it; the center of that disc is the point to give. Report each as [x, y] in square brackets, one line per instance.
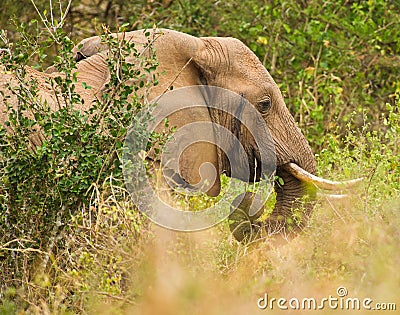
[71, 241]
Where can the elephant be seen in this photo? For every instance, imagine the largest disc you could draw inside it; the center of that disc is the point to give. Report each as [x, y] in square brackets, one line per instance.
[226, 63]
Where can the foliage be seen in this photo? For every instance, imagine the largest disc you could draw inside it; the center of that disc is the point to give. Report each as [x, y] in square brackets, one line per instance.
[316, 52]
[72, 242]
[46, 190]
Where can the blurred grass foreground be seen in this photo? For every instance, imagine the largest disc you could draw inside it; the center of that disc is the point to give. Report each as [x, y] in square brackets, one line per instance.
[72, 241]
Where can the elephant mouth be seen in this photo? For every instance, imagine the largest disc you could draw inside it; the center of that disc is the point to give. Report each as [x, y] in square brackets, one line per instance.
[260, 169]
[255, 172]
[255, 167]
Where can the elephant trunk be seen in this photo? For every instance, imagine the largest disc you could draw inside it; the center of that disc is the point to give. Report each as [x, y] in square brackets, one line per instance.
[291, 213]
[295, 199]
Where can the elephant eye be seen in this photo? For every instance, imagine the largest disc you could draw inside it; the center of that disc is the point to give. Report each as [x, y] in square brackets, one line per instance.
[264, 105]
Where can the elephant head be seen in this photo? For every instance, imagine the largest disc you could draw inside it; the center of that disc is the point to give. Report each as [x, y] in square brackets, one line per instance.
[227, 63]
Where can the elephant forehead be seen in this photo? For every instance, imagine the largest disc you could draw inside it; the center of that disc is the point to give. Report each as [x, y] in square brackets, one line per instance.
[246, 66]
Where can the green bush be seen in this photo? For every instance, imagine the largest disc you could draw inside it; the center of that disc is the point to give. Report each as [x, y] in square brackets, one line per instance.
[49, 191]
[317, 52]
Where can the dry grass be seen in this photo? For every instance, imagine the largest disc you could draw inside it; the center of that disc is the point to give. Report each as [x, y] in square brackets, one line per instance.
[117, 262]
[209, 273]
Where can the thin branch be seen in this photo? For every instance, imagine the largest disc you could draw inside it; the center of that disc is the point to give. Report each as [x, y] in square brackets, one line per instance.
[44, 20]
[115, 297]
[176, 77]
[50, 25]
[51, 15]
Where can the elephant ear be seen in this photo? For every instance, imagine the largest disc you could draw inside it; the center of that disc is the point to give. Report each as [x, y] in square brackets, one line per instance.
[197, 164]
[209, 54]
[190, 156]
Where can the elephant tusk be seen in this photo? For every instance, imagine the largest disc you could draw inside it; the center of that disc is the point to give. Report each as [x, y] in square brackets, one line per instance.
[321, 183]
[333, 196]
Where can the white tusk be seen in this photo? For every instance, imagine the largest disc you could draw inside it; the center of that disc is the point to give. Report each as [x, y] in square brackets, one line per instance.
[321, 183]
[333, 196]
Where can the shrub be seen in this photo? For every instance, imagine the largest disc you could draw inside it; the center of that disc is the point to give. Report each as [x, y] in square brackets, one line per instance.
[67, 191]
